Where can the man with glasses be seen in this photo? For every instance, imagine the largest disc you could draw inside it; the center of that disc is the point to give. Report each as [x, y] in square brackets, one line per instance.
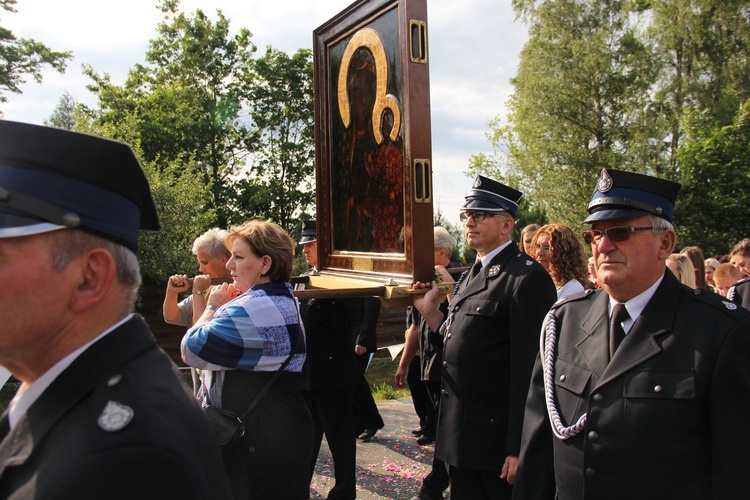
[642, 390]
[491, 337]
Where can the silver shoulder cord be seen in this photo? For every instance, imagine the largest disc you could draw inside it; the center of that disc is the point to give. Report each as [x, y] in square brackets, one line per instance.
[731, 292]
[548, 341]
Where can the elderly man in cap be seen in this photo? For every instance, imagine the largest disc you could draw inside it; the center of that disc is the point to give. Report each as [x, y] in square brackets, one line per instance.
[491, 339]
[329, 375]
[101, 411]
[642, 389]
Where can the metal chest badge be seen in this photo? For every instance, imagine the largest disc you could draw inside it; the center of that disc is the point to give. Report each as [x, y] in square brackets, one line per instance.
[493, 271]
[115, 416]
[729, 305]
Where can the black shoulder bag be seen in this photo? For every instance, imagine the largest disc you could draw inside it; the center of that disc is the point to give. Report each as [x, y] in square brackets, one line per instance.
[230, 427]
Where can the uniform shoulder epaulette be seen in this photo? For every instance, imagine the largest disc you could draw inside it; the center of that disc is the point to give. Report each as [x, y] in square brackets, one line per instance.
[524, 259]
[718, 302]
[586, 294]
[743, 280]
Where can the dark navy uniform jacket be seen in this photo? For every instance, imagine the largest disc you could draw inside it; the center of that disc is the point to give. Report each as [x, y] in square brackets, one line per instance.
[491, 340]
[666, 417]
[118, 423]
[330, 363]
[740, 293]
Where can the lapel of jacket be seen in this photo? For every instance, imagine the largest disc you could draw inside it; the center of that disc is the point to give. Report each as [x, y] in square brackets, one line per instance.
[594, 345]
[489, 272]
[78, 380]
[657, 318]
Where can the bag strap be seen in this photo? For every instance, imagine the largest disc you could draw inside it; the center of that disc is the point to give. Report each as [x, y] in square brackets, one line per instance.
[276, 374]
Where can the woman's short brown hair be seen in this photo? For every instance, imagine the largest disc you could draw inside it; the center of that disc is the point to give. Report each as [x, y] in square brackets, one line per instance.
[266, 238]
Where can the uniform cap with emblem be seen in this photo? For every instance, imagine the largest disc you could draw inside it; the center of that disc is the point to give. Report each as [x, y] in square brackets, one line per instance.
[309, 232]
[624, 195]
[54, 179]
[489, 195]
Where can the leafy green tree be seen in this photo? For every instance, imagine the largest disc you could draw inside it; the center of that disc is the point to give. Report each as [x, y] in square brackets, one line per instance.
[581, 74]
[702, 48]
[279, 177]
[22, 57]
[652, 86]
[185, 104]
[715, 171]
[179, 199]
[64, 114]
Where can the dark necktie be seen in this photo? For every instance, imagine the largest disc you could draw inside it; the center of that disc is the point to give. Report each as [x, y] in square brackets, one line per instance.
[616, 332]
[4, 426]
[475, 270]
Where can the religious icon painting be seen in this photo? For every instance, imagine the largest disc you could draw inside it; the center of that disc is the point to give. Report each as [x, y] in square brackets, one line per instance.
[373, 142]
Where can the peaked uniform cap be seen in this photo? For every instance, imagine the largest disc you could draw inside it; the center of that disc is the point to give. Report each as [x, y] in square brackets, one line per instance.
[53, 179]
[309, 232]
[491, 196]
[624, 195]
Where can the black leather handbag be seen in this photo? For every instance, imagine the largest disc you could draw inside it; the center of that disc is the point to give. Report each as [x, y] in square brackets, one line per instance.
[230, 427]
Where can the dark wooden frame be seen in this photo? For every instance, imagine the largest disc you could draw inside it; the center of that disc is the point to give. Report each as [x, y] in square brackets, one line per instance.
[408, 53]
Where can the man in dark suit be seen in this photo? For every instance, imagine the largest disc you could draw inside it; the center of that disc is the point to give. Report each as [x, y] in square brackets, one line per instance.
[329, 376]
[423, 345]
[643, 388]
[491, 339]
[101, 411]
[367, 418]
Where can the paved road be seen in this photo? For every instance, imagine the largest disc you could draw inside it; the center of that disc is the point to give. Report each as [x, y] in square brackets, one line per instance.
[392, 465]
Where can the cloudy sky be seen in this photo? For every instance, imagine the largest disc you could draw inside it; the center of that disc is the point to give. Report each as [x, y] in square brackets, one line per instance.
[473, 50]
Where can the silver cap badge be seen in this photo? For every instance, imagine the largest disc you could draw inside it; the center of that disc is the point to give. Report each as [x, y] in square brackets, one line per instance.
[605, 182]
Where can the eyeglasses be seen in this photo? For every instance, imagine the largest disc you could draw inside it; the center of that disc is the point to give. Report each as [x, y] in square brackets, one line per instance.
[477, 216]
[542, 247]
[613, 234]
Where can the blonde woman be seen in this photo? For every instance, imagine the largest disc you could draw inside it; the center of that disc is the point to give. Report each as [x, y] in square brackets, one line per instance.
[682, 267]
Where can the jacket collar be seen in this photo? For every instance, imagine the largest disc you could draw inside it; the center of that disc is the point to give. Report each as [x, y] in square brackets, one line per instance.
[489, 272]
[640, 344]
[77, 381]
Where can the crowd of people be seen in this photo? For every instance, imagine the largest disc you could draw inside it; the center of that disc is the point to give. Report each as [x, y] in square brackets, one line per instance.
[544, 375]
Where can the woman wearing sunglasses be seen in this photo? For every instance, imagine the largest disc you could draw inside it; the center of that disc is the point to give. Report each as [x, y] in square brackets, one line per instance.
[557, 248]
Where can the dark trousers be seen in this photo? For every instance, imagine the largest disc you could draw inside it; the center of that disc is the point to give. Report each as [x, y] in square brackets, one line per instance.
[366, 414]
[333, 415]
[472, 484]
[437, 481]
[419, 396]
[433, 390]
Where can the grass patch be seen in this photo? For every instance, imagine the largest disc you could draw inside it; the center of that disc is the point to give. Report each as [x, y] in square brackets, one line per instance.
[380, 376]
